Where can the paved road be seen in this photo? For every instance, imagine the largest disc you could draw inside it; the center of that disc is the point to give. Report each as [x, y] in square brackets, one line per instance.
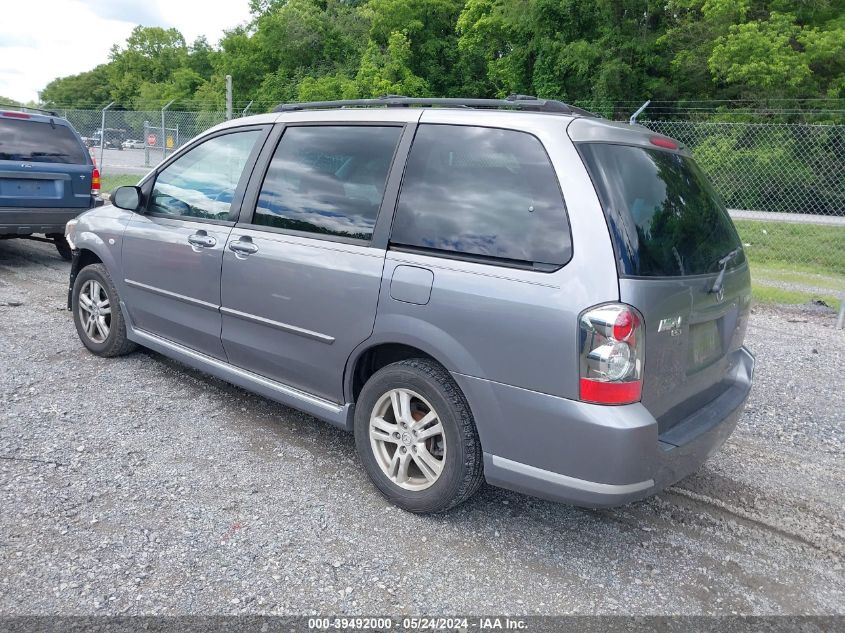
[135, 485]
[792, 218]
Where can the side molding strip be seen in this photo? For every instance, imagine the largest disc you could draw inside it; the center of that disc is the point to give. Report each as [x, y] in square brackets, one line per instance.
[317, 336]
[171, 295]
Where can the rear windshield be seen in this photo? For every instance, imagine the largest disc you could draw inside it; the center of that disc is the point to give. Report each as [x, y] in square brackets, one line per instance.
[36, 142]
[665, 217]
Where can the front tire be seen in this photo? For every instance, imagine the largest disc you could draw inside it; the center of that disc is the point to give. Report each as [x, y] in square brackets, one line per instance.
[99, 321]
[416, 437]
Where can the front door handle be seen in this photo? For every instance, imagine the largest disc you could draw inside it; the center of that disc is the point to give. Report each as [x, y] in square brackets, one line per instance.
[201, 238]
[243, 246]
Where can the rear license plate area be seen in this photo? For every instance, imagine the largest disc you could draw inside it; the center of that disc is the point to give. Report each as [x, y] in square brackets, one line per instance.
[26, 188]
[705, 344]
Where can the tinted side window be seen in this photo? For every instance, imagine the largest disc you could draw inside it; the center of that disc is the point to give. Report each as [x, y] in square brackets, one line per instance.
[482, 191]
[36, 142]
[328, 180]
[202, 182]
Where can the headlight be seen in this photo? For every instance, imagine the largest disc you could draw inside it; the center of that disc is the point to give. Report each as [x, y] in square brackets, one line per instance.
[70, 231]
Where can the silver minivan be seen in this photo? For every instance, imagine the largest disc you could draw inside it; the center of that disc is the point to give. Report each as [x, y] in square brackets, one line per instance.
[507, 290]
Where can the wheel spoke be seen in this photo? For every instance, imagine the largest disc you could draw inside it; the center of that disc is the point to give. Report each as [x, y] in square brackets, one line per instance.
[102, 326]
[382, 431]
[400, 400]
[90, 326]
[85, 302]
[105, 310]
[428, 464]
[424, 421]
[399, 466]
[432, 431]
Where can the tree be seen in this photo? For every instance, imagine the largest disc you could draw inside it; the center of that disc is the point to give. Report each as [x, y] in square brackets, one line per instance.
[90, 89]
[387, 71]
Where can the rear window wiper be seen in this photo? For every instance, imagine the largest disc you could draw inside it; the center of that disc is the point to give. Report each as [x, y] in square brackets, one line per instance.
[723, 266]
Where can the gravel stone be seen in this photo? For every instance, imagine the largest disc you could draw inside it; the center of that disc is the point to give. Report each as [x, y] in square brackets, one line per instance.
[191, 496]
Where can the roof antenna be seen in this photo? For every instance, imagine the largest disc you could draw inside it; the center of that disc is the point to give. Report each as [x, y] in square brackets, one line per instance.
[633, 119]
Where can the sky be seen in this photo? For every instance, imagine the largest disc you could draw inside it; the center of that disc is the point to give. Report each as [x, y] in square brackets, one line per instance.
[45, 39]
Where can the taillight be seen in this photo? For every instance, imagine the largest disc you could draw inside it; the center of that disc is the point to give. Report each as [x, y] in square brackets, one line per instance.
[661, 141]
[612, 349]
[95, 181]
[16, 115]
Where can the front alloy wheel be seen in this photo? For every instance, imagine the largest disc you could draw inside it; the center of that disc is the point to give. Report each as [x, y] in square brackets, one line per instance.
[94, 311]
[407, 439]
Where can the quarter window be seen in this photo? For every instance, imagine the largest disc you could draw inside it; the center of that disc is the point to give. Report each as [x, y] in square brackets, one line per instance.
[482, 192]
[328, 180]
[202, 182]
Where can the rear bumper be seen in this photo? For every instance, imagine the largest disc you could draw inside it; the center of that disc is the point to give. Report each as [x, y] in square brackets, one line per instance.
[25, 221]
[592, 455]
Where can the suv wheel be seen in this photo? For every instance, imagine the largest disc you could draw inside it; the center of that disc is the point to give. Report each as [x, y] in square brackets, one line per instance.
[416, 437]
[96, 313]
[63, 247]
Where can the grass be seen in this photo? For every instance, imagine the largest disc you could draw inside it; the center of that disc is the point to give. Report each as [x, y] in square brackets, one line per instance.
[768, 294]
[109, 183]
[809, 248]
[808, 255]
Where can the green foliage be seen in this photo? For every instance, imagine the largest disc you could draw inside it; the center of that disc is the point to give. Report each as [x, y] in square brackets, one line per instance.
[593, 52]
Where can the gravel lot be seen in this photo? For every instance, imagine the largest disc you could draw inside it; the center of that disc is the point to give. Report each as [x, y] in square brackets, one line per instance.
[138, 486]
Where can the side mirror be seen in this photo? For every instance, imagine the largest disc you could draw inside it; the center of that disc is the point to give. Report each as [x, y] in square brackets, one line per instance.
[128, 198]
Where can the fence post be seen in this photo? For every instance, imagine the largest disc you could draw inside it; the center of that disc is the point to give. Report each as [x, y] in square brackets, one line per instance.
[164, 130]
[246, 109]
[228, 97]
[840, 322]
[103, 135]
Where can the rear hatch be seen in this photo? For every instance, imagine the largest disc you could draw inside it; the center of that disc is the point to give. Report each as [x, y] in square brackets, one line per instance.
[680, 263]
[43, 164]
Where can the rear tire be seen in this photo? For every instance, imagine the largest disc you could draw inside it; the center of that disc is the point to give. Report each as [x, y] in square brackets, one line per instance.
[99, 321]
[420, 466]
[63, 247]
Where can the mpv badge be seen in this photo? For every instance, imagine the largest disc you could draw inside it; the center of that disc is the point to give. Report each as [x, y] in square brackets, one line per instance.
[672, 325]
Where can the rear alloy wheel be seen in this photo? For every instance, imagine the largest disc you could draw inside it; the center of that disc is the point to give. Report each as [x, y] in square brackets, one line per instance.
[416, 437]
[96, 313]
[407, 439]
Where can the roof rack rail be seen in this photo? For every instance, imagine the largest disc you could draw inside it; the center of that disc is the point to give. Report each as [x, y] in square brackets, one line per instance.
[23, 107]
[512, 102]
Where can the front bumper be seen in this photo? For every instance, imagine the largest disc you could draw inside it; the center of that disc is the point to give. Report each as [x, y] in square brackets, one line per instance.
[592, 455]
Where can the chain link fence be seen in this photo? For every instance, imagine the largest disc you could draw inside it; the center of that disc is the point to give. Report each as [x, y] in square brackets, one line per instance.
[134, 141]
[783, 182]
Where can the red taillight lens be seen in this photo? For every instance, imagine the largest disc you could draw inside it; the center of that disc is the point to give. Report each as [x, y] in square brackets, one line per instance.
[16, 115]
[625, 325]
[95, 181]
[611, 392]
[611, 354]
[663, 142]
